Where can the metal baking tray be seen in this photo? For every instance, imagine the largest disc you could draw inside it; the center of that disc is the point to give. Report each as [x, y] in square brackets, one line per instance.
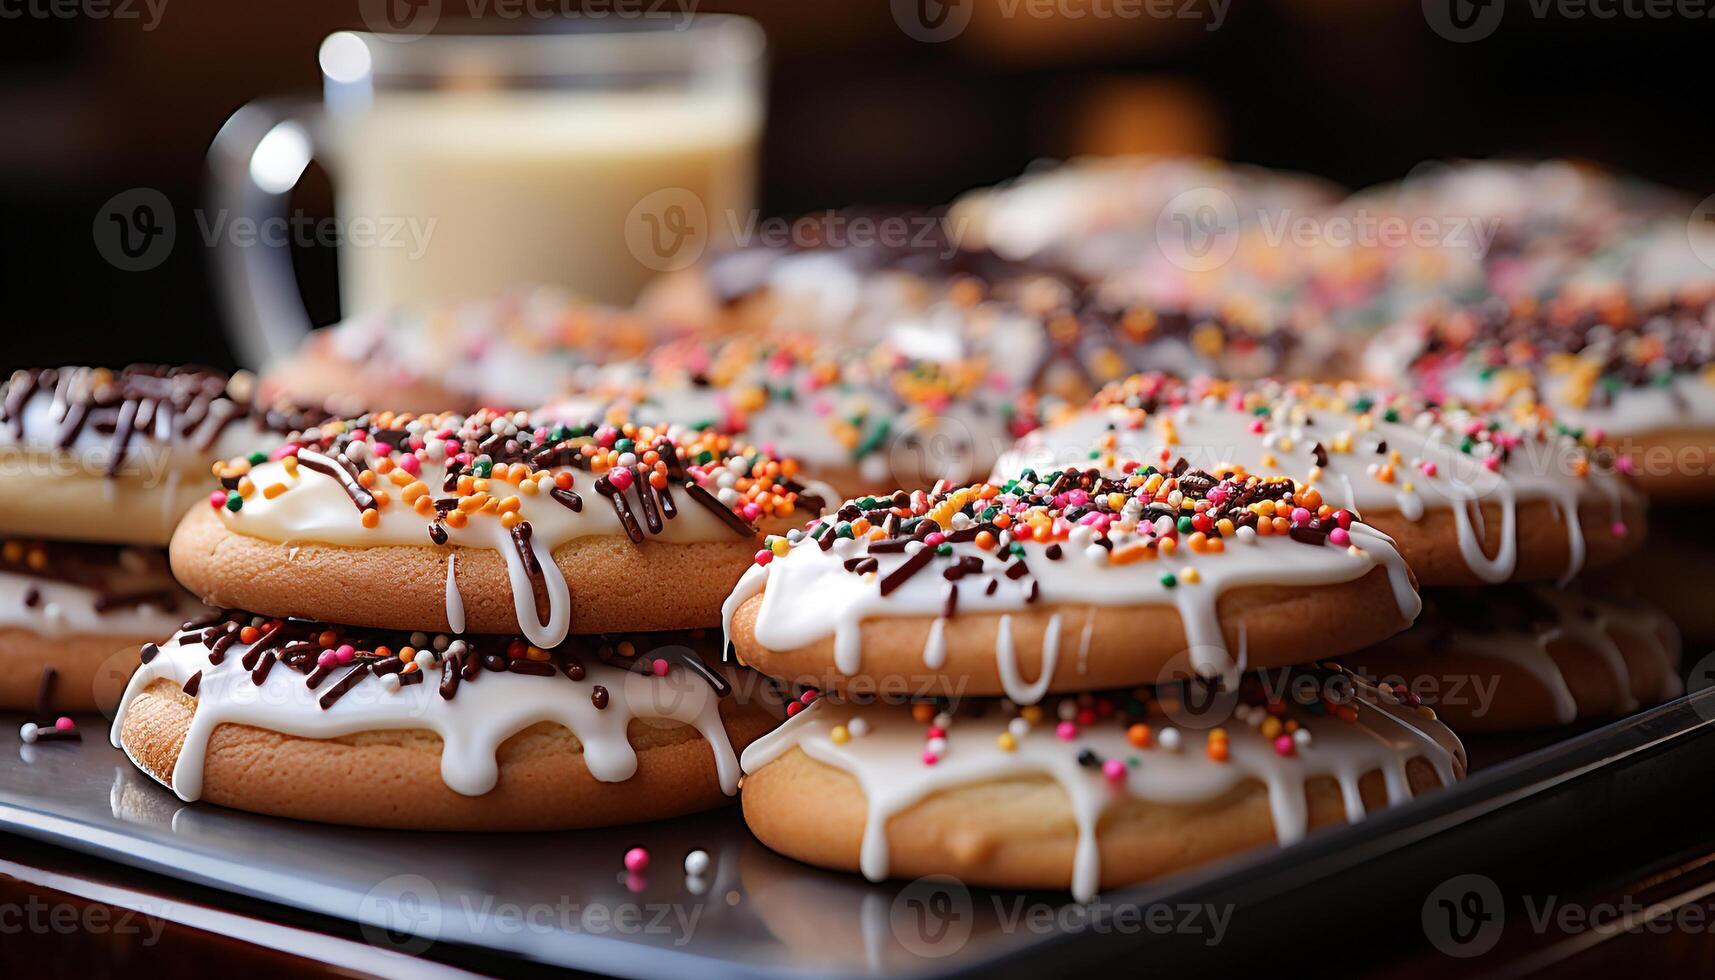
[506, 901]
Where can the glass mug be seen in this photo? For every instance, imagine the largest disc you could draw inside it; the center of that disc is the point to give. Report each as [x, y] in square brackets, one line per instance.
[592, 155]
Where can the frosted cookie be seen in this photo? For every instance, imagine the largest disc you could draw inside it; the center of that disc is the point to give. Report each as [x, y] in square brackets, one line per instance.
[91, 454]
[1524, 657]
[485, 523]
[1638, 378]
[1092, 792]
[1101, 216]
[843, 275]
[67, 609]
[1071, 582]
[515, 350]
[1468, 498]
[429, 732]
[1471, 229]
[859, 418]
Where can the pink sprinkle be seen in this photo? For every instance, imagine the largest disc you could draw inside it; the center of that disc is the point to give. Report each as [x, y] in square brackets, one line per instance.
[934, 538]
[793, 707]
[289, 449]
[1217, 495]
[1619, 529]
[930, 758]
[621, 479]
[1257, 426]
[1283, 744]
[1066, 730]
[659, 667]
[935, 731]
[1343, 518]
[1493, 463]
[1625, 464]
[1301, 515]
[810, 696]
[327, 659]
[217, 500]
[637, 860]
[606, 436]
[751, 512]
[1429, 468]
[346, 653]
[359, 435]
[411, 464]
[1340, 537]
[1114, 769]
[764, 556]
[63, 723]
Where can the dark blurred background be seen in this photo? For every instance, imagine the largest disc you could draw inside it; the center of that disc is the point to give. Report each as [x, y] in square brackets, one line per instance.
[858, 113]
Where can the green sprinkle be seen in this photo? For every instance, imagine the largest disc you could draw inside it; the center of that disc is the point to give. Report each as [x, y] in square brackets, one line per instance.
[1185, 525]
[233, 501]
[257, 459]
[943, 549]
[1169, 580]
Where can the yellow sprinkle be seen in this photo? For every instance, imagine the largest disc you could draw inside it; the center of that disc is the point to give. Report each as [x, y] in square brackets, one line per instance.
[841, 735]
[1189, 575]
[371, 517]
[510, 505]
[273, 490]
[511, 519]
[245, 487]
[1031, 713]
[1006, 742]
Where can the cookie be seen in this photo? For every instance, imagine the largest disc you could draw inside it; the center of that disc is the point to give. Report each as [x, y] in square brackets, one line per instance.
[389, 729]
[1469, 498]
[68, 610]
[1096, 791]
[1637, 377]
[1074, 582]
[861, 419]
[485, 523]
[1523, 657]
[514, 350]
[91, 454]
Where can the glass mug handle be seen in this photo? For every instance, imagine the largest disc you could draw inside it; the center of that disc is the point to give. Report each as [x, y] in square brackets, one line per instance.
[254, 162]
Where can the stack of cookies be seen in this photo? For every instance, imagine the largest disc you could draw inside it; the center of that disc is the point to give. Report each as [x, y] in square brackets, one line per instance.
[989, 650]
[462, 621]
[97, 467]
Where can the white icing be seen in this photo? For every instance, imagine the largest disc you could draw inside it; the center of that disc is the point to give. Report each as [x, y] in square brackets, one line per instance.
[315, 508]
[1589, 622]
[807, 594]
[66, 609]
[1214, 432]
[455, 601]
[473, 724]
[887, 761]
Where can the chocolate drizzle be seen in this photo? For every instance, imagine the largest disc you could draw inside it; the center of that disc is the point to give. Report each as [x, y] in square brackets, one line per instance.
[337, 467]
